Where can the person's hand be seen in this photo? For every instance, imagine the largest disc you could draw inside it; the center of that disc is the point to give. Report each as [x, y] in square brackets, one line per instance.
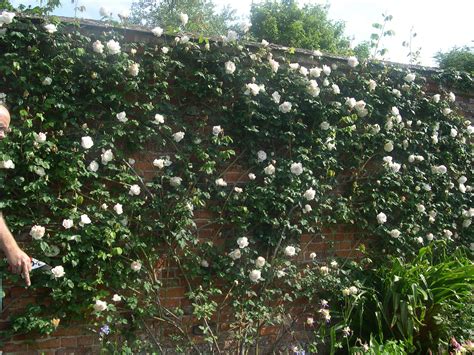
[20, 263]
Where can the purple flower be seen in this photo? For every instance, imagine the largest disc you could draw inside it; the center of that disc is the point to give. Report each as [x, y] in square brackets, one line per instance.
[104, 330]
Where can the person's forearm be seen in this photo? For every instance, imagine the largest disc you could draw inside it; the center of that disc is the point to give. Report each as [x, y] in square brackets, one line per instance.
[7, 242]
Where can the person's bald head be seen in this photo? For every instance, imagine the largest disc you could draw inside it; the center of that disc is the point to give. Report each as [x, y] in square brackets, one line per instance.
[4, 121]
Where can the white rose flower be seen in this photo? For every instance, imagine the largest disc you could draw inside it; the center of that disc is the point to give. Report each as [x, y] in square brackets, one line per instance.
[159, 163]
[451, 97]
[430, 237]
[310, 321]
[93, 166]
[184, 18]
[325, 126]
[350, 102]
[107, 156]
[113, 47]
[381, 218]
[165, 50]
[252, 176]
[325, 82]
[47, 81]
[462, 188]
[118, 208]
[436, 98]
[462, 179]
[360, 108]
[159, 119]
[85, 220]
[395, 233]
[136, 266]
[335, 89]
[276, 97]
[313, 88]
[50, 28]
[58, 272]
[453, 133]
[238, 189]
[285, 107]
[39, 171]
[37, 232]
[296, 168]
[68, 223]
[40, 137]
[353, 290]
[274, 65]
[315, 72]
[175, 181]
[6, 18]
[86, 142]
[133, 69]
[420, 208]
[157, 31]
[221, 182]
[260, 262]
[440, 169]
[204, 263]
[309, 194]
[216, 130]
[7, 164]
[352, 62]
[255, 275]
[100, 306]
[242, 242]
[447, 233]
[116, 298]
[235, 254]
[134, 190]
[98, 47]
[269, 170]
[290, 251]
[410, 77]
[294, 66]
[372, 85]
[324, 270]
[312, 255]
[178, 136]
[261, 156]
[122, 117]
[230, 67]
[303, 71]
[466, 223]
[252, 88]
[388, 146]
[307, 208]
[326, 70]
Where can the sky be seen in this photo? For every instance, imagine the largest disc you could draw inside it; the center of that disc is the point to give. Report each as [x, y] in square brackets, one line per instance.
[439, 24]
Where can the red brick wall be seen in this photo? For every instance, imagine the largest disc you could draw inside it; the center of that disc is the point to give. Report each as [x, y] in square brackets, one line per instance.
[341, 242]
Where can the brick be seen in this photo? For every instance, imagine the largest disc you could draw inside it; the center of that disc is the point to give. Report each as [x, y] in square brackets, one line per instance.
[46, 344]
[85, 340]
[14, 347]
[171, 302]
[203, 214]
[270, 330]
[173, 292]
[69, 341]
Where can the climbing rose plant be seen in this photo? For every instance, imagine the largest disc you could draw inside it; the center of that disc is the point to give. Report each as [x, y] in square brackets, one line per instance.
[319, 145]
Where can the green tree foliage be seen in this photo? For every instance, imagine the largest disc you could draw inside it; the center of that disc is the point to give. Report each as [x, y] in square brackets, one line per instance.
[458, 58]
[285, 23]
[203, 17]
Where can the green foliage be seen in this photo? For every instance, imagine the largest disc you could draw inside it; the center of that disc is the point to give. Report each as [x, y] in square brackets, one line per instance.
[188, 115]
[203, 17]
[284, 22]
[419, 302]
[458, 58]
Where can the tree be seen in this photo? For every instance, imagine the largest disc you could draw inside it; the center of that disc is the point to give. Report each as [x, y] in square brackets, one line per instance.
[458, 58]
[203, 17]
[284, 22]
